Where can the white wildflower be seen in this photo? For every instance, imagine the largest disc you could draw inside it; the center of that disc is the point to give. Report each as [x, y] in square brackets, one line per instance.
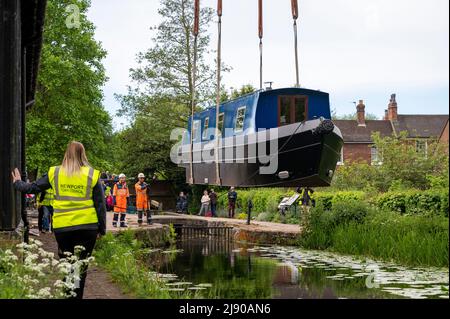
[44, 293]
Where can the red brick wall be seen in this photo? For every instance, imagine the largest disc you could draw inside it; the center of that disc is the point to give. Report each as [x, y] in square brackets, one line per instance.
[444, 136]
[356, 152]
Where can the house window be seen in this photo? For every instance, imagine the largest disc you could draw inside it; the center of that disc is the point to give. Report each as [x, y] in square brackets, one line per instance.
[205, 129]
[422, 147]
[195, 130]
[240, 117]
[341, 157]
[220, 126]
[375, 157]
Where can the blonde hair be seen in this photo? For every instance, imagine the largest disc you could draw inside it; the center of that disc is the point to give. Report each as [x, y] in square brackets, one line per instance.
[74, 159]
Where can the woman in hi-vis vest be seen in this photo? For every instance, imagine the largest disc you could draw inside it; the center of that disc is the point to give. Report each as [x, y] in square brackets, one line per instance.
[79, 203]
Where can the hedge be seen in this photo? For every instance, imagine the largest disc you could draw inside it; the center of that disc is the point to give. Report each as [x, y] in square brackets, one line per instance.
[327, 200]
[266, 200]
[415, 202]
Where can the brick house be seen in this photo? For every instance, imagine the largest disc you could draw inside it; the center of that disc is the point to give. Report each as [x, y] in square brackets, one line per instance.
[444, 135]
[357, 134]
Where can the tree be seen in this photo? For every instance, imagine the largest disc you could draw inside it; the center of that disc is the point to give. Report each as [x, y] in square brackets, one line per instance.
[160, 100]
[166, 69]
[69, 92]
[244, 90]
[352, 116]
[401, 166]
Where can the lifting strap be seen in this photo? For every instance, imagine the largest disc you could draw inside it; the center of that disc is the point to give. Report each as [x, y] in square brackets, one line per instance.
[260, 34]
[219, 62]
[194, 76]
[294, 6]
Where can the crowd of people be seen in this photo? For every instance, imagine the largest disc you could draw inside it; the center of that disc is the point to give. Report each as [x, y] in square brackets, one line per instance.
[208, 203]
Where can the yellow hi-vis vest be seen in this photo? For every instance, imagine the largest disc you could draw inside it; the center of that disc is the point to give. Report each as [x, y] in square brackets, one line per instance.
[48, 199]
[72, 203]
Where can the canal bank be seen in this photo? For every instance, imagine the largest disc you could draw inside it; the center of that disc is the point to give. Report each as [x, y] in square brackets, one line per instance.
[257, 232]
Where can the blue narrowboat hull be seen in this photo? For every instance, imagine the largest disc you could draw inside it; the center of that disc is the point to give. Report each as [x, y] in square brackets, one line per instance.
[306, 155]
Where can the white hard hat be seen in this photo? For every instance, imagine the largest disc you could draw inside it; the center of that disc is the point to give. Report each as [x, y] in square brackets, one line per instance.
[122, 175]
[141, 175]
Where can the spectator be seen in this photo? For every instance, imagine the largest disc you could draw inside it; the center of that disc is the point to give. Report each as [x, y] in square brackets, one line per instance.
[182, 204]
[205, 201]
[306, 199]
[213, 198]
[232, 198]
[45, 210]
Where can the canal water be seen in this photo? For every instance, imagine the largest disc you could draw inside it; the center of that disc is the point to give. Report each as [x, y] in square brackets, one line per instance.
[223, 269]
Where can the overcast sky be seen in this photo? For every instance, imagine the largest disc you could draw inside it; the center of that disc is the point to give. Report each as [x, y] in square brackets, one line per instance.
[352, 49]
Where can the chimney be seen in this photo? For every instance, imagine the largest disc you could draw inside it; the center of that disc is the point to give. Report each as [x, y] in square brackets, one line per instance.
[361, 113]
[392, 109]
[386, 115]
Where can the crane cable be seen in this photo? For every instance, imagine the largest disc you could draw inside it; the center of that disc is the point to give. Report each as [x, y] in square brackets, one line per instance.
[260, 34]
[219, 62]
[194, 76]
[294, 6]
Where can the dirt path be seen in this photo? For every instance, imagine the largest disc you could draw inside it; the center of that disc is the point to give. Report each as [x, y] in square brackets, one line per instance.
[99, 284]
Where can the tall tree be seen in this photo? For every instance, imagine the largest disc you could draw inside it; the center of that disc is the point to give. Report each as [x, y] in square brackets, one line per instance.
[166, 69]
[160, 99]
[69, 90]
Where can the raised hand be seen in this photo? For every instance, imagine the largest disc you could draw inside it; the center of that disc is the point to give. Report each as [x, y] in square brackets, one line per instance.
[16, 175]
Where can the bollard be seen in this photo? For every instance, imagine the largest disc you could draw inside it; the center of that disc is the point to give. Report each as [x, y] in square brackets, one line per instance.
[249, 212]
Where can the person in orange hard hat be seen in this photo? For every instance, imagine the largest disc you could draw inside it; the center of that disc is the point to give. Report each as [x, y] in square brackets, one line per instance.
[141, 188]
[121, 196]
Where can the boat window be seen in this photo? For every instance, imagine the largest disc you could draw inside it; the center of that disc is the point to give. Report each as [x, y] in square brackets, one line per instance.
[285, 110]
[205, 128]
[300, 109]
[292, 109]
[240, 117]
[195, 130]
[221, 117]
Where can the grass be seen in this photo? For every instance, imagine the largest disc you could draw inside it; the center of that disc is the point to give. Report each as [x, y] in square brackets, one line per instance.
[413, 240]
[416, 240]
[122, 257]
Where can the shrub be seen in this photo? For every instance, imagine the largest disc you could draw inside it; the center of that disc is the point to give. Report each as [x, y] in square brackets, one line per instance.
[242, 216]
[434, 202]
[264, 217]
[348, 196]
[392, 201]
[348, 211]
[323, 199]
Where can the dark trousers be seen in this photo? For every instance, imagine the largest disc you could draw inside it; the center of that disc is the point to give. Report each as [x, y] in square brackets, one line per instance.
[67, 242]
[141, 214]
[122, 219]
[213, 209]
[40, 217]
[231, 208]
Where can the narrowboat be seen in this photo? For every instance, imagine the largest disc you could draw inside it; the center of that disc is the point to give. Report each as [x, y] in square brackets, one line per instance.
[269, 138]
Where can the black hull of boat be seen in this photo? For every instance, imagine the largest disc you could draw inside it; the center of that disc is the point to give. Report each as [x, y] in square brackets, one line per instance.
[306, 157]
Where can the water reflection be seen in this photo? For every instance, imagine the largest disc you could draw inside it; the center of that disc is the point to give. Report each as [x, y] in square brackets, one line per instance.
[232, 270]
